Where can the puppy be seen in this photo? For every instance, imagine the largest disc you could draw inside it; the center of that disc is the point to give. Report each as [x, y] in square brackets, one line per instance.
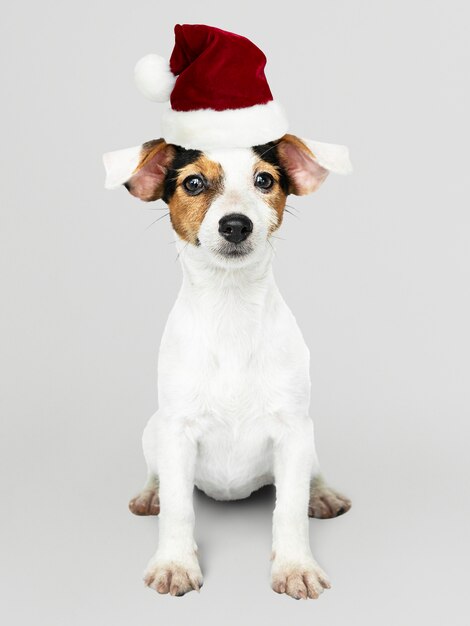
[233, 383]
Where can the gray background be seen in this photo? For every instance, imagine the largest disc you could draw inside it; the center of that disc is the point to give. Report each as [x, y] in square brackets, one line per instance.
[376, 270]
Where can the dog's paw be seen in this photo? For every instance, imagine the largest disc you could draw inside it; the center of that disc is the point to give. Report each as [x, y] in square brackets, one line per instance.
[300, 580]
[174, 577]
[146, 503]
[326, 502]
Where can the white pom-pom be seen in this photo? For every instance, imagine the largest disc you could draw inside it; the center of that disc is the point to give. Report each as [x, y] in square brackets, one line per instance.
[154, 78]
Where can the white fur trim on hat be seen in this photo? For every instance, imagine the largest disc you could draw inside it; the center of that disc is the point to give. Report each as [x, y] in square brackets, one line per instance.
[154, 78]
[120, 165]
[206, 129]
[332, 157]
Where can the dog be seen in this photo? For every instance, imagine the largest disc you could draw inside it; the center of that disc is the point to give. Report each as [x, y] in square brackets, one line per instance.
[233, 371]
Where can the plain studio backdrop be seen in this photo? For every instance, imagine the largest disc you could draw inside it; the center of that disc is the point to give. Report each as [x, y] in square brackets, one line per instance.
[375, 268]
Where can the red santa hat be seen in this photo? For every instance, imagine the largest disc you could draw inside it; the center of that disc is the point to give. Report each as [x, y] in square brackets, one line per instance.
[218, 92]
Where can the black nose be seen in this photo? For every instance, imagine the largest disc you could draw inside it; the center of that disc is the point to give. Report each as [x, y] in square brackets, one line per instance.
[235, 227]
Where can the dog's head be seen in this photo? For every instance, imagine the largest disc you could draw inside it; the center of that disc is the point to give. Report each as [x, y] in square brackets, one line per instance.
[225, 202]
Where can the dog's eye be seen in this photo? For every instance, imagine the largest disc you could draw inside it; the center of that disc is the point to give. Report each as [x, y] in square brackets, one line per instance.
[263, 180]
[193, 185]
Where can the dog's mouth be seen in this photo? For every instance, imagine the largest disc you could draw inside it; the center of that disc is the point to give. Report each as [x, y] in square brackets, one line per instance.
[234, 250]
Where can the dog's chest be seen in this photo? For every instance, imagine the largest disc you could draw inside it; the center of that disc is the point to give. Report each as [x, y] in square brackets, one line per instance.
[233, 358]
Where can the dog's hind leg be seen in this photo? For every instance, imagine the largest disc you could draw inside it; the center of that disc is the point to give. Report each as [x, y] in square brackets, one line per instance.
[147, 501]
[325, 502]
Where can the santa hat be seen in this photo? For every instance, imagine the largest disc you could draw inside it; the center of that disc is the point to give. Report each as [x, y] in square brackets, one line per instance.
[217, 88]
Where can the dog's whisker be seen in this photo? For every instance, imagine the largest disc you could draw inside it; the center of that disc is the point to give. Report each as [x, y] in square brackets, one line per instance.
[157, 220]
[181, 251]
[290, 213]
[293, 207]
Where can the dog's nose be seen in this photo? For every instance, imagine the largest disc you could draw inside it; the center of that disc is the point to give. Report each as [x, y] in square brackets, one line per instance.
[235, 227]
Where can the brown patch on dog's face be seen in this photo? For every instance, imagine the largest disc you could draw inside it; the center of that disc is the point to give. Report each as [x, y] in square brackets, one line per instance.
[270, 164]
[188, 208]
[275, 196]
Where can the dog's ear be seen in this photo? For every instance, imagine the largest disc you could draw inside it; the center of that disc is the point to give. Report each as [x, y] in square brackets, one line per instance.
[141, 169]
[308, 163]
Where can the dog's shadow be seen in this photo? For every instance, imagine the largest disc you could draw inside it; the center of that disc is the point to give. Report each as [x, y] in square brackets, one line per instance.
[224, 521]
[260, 499]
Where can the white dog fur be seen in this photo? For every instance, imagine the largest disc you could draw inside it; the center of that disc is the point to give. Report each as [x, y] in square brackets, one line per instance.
[234, 392]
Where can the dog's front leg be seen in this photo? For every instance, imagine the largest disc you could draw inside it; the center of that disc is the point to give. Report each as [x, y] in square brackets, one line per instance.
[174, 568]
[294, 570]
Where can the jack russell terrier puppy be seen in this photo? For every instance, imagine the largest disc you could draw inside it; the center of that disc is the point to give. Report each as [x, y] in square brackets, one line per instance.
[233, 368]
